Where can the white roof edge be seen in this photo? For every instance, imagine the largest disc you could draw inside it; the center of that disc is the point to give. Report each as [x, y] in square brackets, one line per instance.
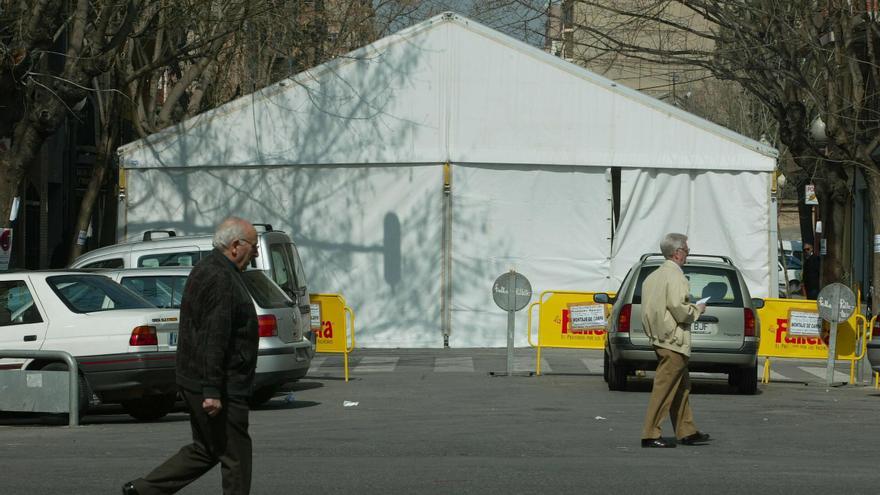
[282, 85]
[616, 87]
[478, 28]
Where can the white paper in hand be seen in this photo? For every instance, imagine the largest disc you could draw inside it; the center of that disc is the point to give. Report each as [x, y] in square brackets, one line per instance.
[703, 300]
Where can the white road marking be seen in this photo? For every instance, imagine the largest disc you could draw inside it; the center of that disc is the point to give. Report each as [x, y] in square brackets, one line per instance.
[376, 364]
[774, 376]
[316, 363]
[454, 365]
[527, 363]
[822, 373]
[594, 365]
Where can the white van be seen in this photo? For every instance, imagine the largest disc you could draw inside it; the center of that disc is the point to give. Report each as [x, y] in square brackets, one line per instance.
[278, 259]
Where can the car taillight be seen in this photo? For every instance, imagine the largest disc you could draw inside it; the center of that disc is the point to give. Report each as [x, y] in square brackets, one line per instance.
[623, 319]
[748, 322]
[143, 335]
[268, 325]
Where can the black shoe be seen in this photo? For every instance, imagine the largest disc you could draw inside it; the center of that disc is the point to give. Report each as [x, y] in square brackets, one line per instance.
[695, 439]
[129, 489]
[657, 443]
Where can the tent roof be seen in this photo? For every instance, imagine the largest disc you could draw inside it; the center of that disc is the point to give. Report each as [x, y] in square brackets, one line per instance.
[449, 90]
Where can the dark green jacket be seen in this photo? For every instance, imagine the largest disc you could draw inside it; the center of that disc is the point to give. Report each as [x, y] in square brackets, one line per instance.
[217, 347]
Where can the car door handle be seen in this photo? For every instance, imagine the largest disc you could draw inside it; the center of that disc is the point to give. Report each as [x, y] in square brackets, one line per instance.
[30, 338]
[709, 319]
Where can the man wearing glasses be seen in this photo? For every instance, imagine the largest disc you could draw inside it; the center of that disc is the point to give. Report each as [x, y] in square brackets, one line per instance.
[667, 316]
[216, 361]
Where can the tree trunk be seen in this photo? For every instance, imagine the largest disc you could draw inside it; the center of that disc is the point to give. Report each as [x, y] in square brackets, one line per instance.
[873, 179]
[15, 161]
[102, 161]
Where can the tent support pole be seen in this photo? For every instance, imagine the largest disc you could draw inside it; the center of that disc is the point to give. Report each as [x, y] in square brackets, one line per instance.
[446, 269]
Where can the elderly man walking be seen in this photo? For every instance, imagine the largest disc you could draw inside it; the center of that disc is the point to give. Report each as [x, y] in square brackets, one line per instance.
[667, 316]
[216, 361]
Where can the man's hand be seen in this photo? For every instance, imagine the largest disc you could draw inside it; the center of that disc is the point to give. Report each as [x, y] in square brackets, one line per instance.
[212, 406]
[702, 308]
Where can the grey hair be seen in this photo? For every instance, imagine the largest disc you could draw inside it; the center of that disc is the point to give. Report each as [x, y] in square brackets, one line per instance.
[672, 242]
[229, 231]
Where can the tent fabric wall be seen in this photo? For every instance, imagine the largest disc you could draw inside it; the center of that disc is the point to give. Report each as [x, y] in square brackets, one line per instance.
[723, 213]
[372, 234]
[350, 151]
[549, 223]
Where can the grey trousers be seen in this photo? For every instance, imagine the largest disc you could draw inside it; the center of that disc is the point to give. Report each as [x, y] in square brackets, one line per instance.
[223, 438]
[670, 395]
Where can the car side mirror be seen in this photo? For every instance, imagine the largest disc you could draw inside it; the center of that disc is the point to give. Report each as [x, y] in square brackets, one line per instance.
[757, 302]
[601, 297]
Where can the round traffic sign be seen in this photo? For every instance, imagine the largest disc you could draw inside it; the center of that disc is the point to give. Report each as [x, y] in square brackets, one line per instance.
[836, 303]
[512, 291]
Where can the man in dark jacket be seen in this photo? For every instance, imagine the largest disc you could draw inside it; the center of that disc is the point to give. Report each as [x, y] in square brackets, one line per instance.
[216, 360]
[811, 272]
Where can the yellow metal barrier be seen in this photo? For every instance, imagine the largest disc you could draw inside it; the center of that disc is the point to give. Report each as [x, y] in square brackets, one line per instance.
[334, 317]
[558, 328]
[807, 338]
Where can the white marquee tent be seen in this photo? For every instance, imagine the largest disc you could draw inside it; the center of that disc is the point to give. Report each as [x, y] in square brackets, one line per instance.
[351, 159]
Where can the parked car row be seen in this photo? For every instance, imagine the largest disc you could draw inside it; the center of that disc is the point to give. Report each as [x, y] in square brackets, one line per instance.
[116, 311]
[723, 340]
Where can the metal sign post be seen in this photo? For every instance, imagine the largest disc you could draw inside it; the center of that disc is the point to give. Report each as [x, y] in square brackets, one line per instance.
[511, 292]
[836, 303]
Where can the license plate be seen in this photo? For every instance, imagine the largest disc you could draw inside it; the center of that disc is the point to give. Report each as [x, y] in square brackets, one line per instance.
[702, 328]
[172, 339]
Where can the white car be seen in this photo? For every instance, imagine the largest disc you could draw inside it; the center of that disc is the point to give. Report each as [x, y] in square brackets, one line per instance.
[122, 343]
[278, 259]
[284, 354]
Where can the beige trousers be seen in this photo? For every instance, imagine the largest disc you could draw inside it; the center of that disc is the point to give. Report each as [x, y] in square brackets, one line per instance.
[670, 395]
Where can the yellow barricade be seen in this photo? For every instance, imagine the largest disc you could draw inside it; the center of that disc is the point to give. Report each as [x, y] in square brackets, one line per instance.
[555, 327]
[779, 341]
[333, 333]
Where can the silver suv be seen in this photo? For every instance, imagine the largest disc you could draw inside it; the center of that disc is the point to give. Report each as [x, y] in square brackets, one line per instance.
[283, 355]
[278, 259]
[723, 340]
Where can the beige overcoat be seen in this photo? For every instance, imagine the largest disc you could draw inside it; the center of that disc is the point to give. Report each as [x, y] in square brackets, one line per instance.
[666, 313]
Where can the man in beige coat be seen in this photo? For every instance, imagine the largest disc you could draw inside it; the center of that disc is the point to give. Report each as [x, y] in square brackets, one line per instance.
[667, 316]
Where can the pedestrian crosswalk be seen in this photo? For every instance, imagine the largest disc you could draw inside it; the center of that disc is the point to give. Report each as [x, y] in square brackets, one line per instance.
[454, 365]
[823, 373]
[332, 364]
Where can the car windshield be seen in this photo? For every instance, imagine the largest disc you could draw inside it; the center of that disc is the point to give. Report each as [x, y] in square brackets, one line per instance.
[791, 262]
[91, 293]
[264, 291]
[720, 285]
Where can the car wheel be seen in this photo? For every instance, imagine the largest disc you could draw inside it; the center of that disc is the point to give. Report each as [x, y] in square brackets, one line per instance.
[150, 407]
[616, 376]
[747, 381]
[84, 390]
[732, 378]
[605, 366]
[262, 395]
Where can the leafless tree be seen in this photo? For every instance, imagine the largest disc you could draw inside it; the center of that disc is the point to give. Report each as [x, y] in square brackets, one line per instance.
[799, 59]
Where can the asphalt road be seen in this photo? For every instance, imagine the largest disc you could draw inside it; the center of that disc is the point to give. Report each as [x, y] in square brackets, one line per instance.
[436, 421]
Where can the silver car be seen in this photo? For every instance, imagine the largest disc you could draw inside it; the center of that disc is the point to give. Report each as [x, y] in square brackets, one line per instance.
[284, 354]
[723, 340]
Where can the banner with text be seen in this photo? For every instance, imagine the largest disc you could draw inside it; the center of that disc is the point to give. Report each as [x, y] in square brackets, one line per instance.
[791, 328]
[572, 320]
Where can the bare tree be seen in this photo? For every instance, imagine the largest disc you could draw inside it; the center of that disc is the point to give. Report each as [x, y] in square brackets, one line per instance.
[800, 60]
[50, 50]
